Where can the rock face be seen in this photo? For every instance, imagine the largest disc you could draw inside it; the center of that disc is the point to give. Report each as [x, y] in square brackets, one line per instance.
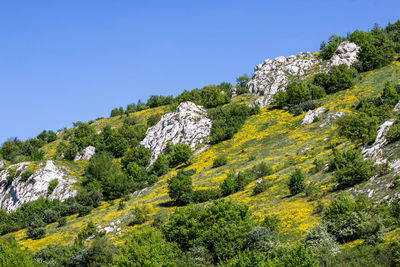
[188, 124]
[274, 75]
[375, 150]
[345, 54]
[14, 194]
[85, 154]
[1, 164]
[311, 115]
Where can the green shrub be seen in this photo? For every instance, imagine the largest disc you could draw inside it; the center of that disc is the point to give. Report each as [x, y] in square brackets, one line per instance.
[181, 153]
[320, 242]
[139, 155]
[296, 182]
[140, 214]
[271, 222]
[52, 185]
[205, 195]
[261, 187]
[212, 96]
[228, 120]
[11, 174]
[180, 188]
[62, 221]
[12, 255]
[235, 182]
[327, 50]
[351, 168]
[26, 174]
[393, 134]
[297, 93]
[359, 128]
[146, 247]
[262, 169]
[262, 239]
[161, 165]
[36, 228]
[153, 120]
[220, 161]
[340, 78]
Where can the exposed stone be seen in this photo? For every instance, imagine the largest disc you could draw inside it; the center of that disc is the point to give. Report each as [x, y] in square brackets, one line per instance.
[188, 124]
[346, 53]
[2, 163]
[331, 118]
[397, 107]
[18, 192]
[274, 75]
[375, 150]
[311, 115]
[85, 154]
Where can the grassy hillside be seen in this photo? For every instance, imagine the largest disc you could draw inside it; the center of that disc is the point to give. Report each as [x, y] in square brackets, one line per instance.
[273, 136]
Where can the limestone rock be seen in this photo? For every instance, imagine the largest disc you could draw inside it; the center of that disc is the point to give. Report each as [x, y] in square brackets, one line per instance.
[2, 163]
[331, 118]
[311, 115]
[397, 107]
[14, 194]
[375, 150]
[188, 124]
[274, 75]
[85, 154]
[346, 53]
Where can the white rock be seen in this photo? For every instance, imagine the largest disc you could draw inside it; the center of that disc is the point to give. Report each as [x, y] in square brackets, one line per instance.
[397, 107]
[188, 124]
[331, 117]
[18, 192]
[375, 150]
[311, 115]
[86, 153]
[346, 53]
[274, 75]
[1, 164]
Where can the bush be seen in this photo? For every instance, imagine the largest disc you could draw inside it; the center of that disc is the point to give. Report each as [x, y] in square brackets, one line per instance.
[221, 228]
[146, 247]
[235, 182]
[261, 187]
[340, 78]
[26, 174]
[153, 120]
[161, 165]
[212, 96]
[262, 169]
[62, 221]
[359, 128]
[351, 168]
[228, 120]
[220, 161]
[262, 239]
[35, 229]
[205, 195]
[12, 255]
[52, 185]
[139, 155]
[181, 153]
[296, 182]
[271, 222]
[50, 216]
[327, 50]
[320, 242]
[297, 93]
[140, 214]
[55, 255]
[180, 188]
[393, 134]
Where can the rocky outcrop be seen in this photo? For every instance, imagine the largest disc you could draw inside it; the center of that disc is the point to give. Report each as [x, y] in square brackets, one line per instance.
[24, 189]
[375, 150]
[2, 163]
[85, 154]
[311, 115]
[188, 124]
[274, 75]
[346, 53]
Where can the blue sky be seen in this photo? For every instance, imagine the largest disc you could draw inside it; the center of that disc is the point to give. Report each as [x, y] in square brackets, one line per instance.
[67, 61]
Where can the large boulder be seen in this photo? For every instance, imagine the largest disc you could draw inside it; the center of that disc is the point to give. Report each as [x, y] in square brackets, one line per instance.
[13, 194]
[310, 116]
[85, 154]
[188, 124]
[346, 53]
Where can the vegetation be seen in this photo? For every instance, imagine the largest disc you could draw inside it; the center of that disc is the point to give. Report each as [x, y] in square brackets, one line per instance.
[296, 182]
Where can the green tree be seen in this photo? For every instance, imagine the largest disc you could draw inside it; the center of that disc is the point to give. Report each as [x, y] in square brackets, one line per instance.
[327, 50]
[296, 182]
[146, 247]
[212, 96]
[181, 153]
[12, 255]
[340, 78]
[180, 188]
[297, 93]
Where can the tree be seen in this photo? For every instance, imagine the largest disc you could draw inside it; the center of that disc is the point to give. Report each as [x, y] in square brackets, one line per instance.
[181, 153]
[296, 182]
[212, 96]
[161, 165]
[36, 228]
[180, 188]
[297, 93]
[389, 93]
[340, 78]
[12, 255]
[327, 50]
[140, 155]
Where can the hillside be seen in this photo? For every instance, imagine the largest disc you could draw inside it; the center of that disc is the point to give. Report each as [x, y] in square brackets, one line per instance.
[274, 135]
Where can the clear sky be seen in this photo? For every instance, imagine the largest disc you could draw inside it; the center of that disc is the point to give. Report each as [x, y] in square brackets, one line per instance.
[67, 61]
